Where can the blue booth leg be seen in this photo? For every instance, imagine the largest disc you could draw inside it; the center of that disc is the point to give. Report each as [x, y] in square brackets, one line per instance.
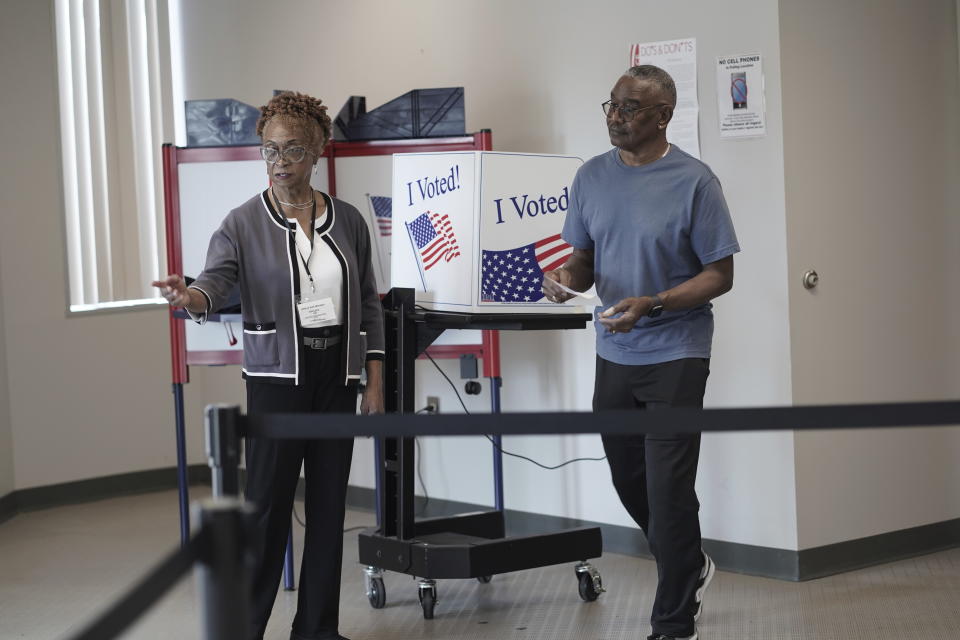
[182, 483]
[288, 563]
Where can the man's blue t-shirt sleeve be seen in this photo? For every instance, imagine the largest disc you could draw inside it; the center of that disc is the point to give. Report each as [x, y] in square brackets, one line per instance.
[711, 229]
[574, 227]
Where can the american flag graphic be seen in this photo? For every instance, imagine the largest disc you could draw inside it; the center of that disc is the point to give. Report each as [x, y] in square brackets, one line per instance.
[383, 213]
[433, 236]
[516, 275]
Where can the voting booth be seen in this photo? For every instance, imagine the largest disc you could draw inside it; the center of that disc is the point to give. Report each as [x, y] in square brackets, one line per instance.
[475, 231]
[202, 184]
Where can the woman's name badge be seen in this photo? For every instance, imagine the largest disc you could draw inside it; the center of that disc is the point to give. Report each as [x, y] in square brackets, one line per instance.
[316, 312]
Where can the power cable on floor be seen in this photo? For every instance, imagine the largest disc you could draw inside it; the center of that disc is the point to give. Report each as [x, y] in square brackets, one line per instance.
[296, 516]
[494, 443]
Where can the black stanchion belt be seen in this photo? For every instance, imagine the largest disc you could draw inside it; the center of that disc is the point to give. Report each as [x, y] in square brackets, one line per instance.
[660, 422]
[145, 593]
[151, 587]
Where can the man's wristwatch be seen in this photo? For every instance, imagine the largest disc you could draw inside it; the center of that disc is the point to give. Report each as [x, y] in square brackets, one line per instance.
[657, 307]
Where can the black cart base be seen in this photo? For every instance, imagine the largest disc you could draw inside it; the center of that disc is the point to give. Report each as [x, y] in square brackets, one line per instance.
[474, 545]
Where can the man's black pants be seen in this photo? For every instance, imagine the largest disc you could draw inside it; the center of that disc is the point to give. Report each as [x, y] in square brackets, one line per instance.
[273, 470]
[655, 476]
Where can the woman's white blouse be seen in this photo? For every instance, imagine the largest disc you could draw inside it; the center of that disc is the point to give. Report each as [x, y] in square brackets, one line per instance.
[324, 266]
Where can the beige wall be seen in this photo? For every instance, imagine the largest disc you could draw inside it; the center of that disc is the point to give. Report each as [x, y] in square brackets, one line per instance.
[871, 108]
[952, 133]
[6, 436]
[89, 395]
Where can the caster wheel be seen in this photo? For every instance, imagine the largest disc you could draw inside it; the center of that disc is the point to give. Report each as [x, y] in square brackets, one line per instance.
[588, 592]
[377, 593]
[484, 579]
[428, 600]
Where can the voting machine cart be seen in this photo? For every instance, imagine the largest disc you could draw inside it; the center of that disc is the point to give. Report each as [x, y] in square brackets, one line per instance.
[473, 545]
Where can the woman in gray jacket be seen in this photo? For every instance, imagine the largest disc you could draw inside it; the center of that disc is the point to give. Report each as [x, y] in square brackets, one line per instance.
[312, 320]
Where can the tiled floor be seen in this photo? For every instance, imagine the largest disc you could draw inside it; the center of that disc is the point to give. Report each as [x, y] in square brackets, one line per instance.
[59, 566]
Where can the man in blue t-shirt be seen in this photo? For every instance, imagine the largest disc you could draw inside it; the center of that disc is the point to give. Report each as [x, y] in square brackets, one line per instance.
[650, 227]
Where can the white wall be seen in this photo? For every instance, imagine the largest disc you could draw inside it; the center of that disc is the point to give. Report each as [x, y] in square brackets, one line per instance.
[83, 395]
[535, 73]
[872, 205]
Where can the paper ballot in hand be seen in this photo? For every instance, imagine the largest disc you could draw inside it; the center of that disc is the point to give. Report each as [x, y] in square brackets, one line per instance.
[587, 300]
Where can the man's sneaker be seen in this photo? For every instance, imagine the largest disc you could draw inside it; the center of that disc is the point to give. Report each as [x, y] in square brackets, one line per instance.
[659, 636]
[706, 575]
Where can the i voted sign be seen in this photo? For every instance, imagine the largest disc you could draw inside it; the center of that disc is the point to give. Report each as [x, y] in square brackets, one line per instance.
[526, 206]
[475, 230]
[524, 201]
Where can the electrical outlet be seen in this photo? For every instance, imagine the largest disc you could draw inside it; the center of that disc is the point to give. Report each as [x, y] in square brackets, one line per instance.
[434, 403]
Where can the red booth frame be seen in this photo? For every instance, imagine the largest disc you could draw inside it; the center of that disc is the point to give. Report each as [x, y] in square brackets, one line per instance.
[181, 359]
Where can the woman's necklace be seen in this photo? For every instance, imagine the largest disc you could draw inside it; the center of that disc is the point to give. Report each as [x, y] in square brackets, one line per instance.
[296, 205]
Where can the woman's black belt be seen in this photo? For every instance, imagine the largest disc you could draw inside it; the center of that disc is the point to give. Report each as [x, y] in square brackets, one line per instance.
[320, 343]
[320, 338]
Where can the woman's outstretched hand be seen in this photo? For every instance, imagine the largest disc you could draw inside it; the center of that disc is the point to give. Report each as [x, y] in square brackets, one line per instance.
[174, 289]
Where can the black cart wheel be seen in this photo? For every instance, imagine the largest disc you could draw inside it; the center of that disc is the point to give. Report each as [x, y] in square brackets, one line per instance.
[377, 595]
[484, 579]
[588, 591]
[428, 600]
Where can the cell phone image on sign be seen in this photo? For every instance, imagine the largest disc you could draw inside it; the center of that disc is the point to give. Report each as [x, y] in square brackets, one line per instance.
[738, 89]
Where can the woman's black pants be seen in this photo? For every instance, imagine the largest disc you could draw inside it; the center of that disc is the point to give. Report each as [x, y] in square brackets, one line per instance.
[273, 470]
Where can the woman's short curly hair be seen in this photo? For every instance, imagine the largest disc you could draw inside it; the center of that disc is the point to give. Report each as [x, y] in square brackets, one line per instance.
[300, 109]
